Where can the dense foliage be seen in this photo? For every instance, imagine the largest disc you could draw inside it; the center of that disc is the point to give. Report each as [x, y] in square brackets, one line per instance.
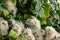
[48, 13]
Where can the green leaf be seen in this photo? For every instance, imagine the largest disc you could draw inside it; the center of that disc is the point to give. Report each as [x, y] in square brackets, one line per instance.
[25, 1]
[46, 10]
[4, 11]
[53, 1]
[26, 16]
[13, 34]
[2, 1]
[43, 22]
[41, 12]
[1, 39]
[22, 37]
[14, 1]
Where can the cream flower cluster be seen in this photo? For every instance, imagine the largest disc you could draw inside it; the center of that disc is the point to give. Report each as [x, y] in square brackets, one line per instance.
[37, 27]
[28, 34]
[11, 6]
[17, 26]
[3, 27]
[49, 33]
[34, 23]
[52, 34]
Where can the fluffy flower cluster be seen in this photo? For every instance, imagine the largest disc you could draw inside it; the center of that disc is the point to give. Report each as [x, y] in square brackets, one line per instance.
[28, 34]
[11, 6]
[3, 27]
[49, 32]
[38, 35]
[34, 23]
[37, 27]
[52, 34]
[17, 26]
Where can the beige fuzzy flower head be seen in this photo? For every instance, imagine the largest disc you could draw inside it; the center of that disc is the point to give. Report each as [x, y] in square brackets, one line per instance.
[34, 23]
[11, 6]
[28, 34]
[3, 27]
[51, 33]
[17, 26]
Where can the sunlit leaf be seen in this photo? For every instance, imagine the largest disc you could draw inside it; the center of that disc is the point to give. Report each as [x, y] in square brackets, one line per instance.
[12, 34]
[4, 12]
[14, 1]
